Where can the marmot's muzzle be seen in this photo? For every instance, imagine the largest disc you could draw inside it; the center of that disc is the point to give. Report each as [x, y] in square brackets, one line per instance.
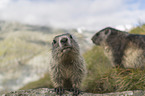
[64, 42]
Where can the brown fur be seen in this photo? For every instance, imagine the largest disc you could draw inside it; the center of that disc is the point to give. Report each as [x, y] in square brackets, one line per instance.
[67, 65]
[123, 49]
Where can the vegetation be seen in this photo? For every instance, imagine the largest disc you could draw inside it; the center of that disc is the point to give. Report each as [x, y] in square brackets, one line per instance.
[101, 77]
[44, 82]
[139, 30]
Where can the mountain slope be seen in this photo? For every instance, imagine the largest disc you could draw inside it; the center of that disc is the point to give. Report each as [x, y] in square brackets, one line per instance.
[25, 52]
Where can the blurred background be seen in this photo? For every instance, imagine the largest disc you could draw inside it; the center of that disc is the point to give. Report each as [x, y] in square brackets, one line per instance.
[27, 28]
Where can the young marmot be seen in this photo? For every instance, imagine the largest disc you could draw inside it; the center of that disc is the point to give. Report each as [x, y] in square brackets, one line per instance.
[123, 49]
[67, 65]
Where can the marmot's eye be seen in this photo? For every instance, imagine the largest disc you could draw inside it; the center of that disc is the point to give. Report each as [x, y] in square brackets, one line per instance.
[54, 41]
[97, 34]
[71, 37]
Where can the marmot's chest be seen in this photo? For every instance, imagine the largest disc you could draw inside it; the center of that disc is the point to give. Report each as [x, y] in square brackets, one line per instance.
[109, 54]
[68, 71]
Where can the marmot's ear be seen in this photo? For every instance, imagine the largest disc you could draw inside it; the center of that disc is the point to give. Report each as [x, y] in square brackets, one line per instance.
[108, 32]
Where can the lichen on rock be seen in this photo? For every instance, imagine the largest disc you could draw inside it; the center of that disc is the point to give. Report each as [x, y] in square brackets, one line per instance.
[50, 92]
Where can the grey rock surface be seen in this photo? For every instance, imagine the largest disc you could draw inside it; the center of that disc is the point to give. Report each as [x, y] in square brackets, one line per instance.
[50, 92]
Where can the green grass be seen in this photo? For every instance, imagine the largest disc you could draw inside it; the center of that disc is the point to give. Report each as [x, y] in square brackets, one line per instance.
[44, 82]
[96, 61]
[139, 30]
[97, 65]
[116, 80]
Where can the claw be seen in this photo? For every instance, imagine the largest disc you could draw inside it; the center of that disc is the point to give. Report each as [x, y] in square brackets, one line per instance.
[71, 89]
[76, 92]
[59, 91]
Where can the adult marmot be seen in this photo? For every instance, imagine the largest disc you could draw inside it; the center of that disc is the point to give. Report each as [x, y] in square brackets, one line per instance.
[67, 65]
[123, 49]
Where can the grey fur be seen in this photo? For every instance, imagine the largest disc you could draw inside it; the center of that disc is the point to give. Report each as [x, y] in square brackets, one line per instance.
[67, 66]
[123, 49]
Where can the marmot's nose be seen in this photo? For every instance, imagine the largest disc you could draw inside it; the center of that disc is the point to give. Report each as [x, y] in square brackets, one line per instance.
[64, 40]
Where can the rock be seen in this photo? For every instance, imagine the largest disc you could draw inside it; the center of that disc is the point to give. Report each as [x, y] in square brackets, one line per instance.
[50, 92]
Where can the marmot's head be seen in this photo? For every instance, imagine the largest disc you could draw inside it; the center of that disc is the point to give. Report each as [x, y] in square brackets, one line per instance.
[64, 45]
[108, 34]
[101, 36]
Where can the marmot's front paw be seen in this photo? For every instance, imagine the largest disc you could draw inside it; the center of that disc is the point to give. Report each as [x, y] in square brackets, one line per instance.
[59, 90]
[76, 91]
